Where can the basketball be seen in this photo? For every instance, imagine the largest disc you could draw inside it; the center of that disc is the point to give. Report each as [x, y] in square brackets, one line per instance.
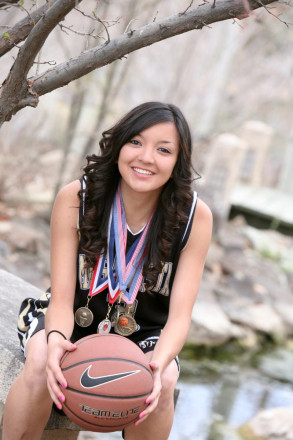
[108, 381]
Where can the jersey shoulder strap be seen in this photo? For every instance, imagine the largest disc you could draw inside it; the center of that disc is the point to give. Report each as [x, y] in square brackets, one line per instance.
[188, 227]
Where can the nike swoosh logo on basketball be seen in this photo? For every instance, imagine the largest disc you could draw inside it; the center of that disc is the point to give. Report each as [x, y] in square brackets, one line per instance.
[87, 381]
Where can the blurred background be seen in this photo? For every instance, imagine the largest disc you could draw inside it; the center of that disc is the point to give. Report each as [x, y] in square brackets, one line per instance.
[233, 82]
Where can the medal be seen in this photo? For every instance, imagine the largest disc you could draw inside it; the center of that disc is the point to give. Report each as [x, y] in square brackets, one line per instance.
[125, 325]
[104, 326]
[84, 316]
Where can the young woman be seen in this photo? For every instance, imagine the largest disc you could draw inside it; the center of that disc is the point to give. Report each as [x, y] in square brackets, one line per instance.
[135, 198]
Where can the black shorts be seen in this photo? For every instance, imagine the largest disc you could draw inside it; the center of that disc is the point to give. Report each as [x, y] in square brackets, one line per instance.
[31, 320]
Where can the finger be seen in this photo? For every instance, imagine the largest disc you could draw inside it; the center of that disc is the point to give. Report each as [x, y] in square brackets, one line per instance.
[55, 393]
[66, 346]
[144, 415]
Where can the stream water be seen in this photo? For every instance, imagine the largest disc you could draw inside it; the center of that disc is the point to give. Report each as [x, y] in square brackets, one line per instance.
[218, 392]
[233, 398]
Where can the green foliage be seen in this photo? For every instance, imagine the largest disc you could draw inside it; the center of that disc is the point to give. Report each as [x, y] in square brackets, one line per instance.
[269, 254]
[6, 35]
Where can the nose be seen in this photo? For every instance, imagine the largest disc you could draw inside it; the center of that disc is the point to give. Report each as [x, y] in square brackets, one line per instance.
[146, 154]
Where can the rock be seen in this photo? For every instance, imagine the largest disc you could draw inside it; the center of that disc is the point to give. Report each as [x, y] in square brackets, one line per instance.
[260, 317]
[5, 249]
[285, 311]
[222, 431]
[246, 337]
[277, 364]
[209, 325]
[271, 424]
[24, 238]
[268, 242]
[12, 291]
[265, 242]
[214, 257]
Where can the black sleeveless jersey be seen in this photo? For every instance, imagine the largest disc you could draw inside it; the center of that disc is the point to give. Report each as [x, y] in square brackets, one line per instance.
[150, 310]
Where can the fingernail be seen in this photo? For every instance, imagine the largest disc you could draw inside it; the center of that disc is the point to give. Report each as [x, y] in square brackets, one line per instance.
[148, 400]
[59, 406]
[141, 415]
[62, 398]
[64, 384]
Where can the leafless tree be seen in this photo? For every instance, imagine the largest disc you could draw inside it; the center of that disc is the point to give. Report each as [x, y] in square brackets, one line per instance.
[20, 90]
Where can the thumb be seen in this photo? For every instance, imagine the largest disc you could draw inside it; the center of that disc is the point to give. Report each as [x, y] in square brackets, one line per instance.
[154, 366]
[69, 346]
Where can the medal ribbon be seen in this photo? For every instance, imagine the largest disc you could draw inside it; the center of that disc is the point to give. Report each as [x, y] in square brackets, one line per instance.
[124, 271]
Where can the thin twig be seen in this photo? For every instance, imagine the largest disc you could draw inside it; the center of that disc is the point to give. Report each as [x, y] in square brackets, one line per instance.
[127, 27]
[51, 63]
[268, 9]
[155, 17]
[188, 7]
[25, 10]
[82, 34]
[105, 27]
[95, 18]
[237, 22]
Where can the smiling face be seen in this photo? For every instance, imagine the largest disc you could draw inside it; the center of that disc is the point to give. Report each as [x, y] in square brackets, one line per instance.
[147, 161]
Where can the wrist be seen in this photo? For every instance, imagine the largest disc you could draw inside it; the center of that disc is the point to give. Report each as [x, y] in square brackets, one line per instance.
[56, 332]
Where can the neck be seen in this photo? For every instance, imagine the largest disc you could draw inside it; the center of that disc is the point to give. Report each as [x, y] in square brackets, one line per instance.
[138, 207]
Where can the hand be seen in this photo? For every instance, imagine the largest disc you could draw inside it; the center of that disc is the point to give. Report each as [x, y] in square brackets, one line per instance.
[153, 398]
[57, 346]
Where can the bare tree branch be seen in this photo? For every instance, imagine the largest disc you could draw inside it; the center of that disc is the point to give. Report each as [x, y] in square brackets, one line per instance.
[8, 3]
[16, 94]
[126, 43]
[15, 91]
[20, 31]
[38, 36]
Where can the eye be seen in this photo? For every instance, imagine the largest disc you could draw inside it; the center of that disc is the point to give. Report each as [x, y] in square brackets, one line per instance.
[164, 150]
[134, 142]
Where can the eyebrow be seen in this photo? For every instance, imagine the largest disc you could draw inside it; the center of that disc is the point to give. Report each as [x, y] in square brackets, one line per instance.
[160, 142]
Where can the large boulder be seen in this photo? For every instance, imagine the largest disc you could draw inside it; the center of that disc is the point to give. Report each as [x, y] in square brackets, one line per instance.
[271, 424]
[12, 291]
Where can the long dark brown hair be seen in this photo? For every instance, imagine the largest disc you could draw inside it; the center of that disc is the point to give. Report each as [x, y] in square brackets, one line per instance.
[102, 178]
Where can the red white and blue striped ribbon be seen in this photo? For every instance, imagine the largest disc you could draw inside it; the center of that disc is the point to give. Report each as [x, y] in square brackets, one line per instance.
[124, 270]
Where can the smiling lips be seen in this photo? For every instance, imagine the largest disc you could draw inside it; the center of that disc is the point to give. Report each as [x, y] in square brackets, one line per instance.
[141, 171]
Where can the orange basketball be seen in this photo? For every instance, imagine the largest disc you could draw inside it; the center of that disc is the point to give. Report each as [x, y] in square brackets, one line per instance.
[123, 321]
[108, 382]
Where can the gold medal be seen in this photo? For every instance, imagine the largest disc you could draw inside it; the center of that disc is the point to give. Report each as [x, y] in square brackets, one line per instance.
[125, 325]
[84, 317]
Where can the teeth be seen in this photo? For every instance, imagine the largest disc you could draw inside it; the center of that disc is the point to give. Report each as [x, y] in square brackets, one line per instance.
[139, 170]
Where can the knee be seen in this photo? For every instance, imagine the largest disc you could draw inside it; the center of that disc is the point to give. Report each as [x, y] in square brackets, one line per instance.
[34, 372]
[169, 381]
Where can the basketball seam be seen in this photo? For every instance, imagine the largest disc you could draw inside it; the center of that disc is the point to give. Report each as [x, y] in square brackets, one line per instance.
[108, 397]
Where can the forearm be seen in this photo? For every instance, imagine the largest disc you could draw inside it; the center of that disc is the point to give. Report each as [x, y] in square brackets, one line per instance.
[60, 318]
[170, 342]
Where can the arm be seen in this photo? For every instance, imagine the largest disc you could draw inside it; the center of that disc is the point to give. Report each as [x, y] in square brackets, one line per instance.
[64, 245]
[184, 291]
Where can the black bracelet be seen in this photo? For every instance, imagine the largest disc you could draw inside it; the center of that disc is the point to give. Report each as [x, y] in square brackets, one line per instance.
[55, 331]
